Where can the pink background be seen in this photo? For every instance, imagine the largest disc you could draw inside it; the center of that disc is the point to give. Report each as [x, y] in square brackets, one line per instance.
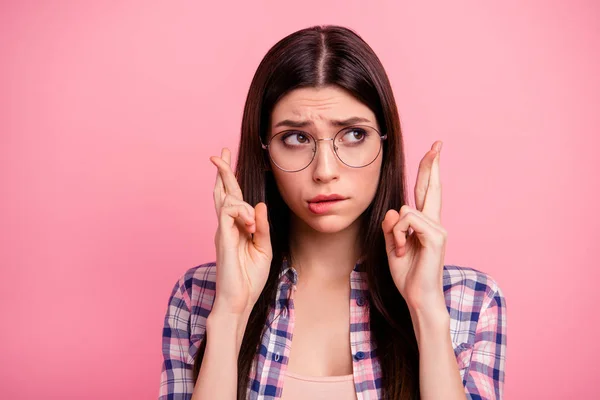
[110, 110]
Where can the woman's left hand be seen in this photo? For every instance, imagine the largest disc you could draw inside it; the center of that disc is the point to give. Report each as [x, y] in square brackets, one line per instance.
[416, 258]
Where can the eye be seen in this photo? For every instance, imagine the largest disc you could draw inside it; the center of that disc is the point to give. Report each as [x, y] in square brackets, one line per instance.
[354, 135]
[295, 138]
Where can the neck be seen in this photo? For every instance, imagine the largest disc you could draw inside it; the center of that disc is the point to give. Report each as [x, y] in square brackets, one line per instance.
[324, 259]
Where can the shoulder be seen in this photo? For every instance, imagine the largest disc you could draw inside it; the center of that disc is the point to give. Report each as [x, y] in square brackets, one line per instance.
[194, 295]
[469, 293]
[198, 280]
[457, 278]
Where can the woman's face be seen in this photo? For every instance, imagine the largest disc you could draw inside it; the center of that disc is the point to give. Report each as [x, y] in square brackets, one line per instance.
[326, 175]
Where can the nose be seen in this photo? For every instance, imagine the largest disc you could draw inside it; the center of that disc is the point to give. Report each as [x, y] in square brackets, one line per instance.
[326, 162]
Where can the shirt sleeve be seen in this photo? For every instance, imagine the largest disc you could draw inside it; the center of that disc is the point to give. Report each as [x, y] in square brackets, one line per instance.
[176, 382]
[485, 377]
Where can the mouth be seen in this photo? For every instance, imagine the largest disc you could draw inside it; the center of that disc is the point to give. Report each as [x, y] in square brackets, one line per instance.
[324, 206]
[326, 197]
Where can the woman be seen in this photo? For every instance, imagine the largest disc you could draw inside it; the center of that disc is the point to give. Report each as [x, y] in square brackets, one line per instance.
[326, 283]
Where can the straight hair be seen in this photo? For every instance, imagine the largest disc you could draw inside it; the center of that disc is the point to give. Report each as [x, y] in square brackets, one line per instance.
[322, 56]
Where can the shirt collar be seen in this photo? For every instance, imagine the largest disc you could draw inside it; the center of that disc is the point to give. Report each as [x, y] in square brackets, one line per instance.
[292, 274]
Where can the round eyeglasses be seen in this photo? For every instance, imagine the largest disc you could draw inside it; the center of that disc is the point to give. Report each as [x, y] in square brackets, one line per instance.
[356, 146]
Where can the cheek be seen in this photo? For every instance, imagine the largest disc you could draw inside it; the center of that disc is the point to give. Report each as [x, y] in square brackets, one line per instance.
[371, 172]
[367, 182]
[366, 186]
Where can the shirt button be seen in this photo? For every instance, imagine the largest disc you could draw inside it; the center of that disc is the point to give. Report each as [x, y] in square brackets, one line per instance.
[276, 356]
[360, 301]
[284, 312]
[359, 356]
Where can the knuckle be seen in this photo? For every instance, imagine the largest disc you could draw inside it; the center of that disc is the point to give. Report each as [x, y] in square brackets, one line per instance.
[229, 199]
[440, 242]
[405, 209]
[223, 212]
[440, 239]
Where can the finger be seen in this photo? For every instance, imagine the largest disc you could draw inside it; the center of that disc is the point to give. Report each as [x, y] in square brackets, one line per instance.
[390, 220]
[432, 206]
[262, 236]
[231, 183]
[234, 217]
[428, 232]
[231, 201]
[229, 180]
[219, 190]
[226, 155]
[423, 178]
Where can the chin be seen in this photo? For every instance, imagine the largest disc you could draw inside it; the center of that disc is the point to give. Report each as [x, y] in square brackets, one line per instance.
[329, 223]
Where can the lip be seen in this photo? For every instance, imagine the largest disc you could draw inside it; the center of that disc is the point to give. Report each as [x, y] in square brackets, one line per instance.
[323, 207]
[322, 204]
[326, 197]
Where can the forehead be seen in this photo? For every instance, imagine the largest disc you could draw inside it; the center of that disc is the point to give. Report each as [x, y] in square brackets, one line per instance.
[320, 106]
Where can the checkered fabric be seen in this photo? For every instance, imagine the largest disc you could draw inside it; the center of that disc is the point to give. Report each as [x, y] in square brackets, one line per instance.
[474, 301]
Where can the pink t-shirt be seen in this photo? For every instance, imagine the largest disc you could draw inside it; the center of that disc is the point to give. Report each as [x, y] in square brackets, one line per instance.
[301, 387]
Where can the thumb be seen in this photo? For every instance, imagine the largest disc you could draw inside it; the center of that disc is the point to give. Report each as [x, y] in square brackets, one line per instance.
[262, 238]
[391, 219]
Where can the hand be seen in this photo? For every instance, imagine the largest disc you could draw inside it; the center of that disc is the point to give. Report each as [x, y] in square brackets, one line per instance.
[242, 241]
[416, 258]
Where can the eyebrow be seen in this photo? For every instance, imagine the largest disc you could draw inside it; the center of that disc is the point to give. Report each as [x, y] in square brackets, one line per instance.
[336, 123]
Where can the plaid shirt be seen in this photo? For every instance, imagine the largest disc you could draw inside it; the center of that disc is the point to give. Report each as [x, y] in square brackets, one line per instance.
[475, 303]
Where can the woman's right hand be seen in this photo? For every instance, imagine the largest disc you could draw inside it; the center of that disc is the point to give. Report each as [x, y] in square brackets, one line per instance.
[242, 241]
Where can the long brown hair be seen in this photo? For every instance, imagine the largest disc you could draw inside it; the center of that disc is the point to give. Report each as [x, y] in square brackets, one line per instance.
[313, 57]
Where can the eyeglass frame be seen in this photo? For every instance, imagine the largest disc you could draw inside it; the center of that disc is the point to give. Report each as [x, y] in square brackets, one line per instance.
[382, 138]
